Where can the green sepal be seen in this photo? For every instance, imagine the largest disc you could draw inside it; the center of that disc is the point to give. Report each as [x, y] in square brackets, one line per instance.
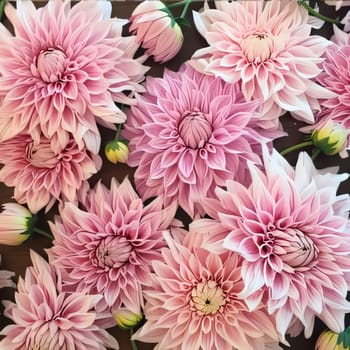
[31, 222]
[114, 145]
[326, 147]
[2, 6]
[182, 22]
[344, 337]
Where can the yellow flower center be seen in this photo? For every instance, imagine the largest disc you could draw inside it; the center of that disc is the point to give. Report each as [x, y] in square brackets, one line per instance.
[207, 298]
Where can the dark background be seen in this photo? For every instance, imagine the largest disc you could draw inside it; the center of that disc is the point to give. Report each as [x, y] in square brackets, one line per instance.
[17, 258]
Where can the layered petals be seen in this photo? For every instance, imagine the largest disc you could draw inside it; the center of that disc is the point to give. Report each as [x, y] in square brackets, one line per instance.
[64, 69]
[336, 77]
[105, 244]
[291, 228]
[189, 133]
[267, 46]
[45, 171]
[45, 317]
[193, 302]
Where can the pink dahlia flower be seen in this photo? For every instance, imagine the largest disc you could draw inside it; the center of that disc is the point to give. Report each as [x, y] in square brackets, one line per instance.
[106, 245]
[45, 171]
[45, 317]
[189, 133]
[5, 278]
[63, 67]
[193, 303]
[156, 30]
[267, 46]
[336, 77]
[292, 230]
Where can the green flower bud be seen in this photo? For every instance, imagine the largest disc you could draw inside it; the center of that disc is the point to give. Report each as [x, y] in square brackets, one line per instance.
[329, 340]
[127, 319]
[117, 151]
[331, 138]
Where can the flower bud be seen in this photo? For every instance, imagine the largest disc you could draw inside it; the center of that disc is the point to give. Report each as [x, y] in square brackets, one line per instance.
[331, 138]
[117, 151]
[16, 224]
[127, 319]
[329, 340]
[156, 30]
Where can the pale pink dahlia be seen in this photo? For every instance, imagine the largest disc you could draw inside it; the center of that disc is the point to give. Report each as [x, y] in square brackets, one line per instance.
[106, 245]
[336, 77]
[292, 230]
[5, 278]
[45, 171]
[63, 67]
[189, 133]
[45, 317]
[267, 46]
[193, 303]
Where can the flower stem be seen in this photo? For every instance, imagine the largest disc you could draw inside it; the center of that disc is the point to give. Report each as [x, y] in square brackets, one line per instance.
[315, 153]
[178, 3]
[184, 11]
[119, 130]
[43, 233]
[296, 147]
[316, 14]
[133, 342]
[2, 6]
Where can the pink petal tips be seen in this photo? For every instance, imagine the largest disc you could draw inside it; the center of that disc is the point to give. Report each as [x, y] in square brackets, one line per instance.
[267, 46]
[106, 245]
[292, 231]
[64, 69]
[193, 303]
[189, 133]
[45, 317]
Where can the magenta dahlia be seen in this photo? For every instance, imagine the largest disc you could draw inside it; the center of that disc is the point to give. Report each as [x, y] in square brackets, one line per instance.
[292, 231]
[189, 133]
[107, 243]
[267, 47]
[45, 317]
[192, 303]
[45, 171]
[63, 67]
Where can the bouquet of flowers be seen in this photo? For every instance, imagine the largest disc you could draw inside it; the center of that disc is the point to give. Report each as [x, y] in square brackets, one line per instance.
[162, 175]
